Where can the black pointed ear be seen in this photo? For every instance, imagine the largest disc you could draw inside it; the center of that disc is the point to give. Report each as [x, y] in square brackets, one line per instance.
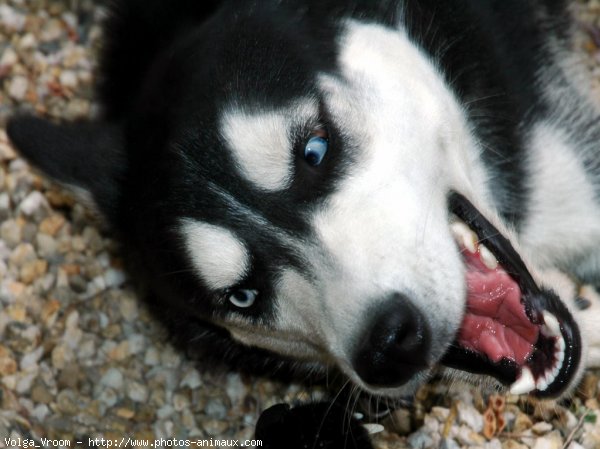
[85, 155]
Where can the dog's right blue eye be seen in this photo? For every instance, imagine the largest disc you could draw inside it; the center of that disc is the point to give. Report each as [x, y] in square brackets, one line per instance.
[315, 150]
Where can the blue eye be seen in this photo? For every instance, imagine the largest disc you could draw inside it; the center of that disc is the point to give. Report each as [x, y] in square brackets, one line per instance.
[243, 298]
[315, 150]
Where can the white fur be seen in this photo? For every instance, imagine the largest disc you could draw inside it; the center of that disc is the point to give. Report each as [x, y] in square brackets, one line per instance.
[574, 118]
[385, 229]
[563, 217]
[261, 143]
[220, 258]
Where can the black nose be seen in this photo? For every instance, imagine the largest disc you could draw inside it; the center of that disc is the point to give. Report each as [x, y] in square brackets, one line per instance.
[395, 345]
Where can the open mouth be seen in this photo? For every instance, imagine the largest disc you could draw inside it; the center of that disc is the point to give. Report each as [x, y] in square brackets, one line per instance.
[512, 329]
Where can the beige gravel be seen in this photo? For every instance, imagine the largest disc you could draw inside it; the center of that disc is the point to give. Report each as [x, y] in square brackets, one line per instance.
[79, 355]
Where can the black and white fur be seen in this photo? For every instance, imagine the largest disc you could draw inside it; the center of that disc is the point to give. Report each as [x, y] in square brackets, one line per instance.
[198, 166]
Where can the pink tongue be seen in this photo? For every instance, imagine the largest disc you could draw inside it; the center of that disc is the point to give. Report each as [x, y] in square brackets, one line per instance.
[495, 323]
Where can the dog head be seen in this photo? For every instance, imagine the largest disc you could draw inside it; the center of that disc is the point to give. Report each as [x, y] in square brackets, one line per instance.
[293, 179]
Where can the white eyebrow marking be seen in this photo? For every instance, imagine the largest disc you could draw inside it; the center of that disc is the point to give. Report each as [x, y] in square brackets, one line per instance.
[261, 143]
[220, 258]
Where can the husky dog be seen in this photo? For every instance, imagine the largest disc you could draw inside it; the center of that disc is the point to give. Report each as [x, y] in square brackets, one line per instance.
[378, 187]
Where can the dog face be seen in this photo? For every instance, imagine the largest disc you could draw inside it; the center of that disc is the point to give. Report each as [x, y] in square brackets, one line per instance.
[294, 181]
[352, 231]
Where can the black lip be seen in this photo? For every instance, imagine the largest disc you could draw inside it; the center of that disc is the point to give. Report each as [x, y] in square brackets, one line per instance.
[535, 301]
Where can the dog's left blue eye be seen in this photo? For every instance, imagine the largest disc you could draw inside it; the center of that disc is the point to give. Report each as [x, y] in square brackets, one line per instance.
[315, 150]
[243, 298]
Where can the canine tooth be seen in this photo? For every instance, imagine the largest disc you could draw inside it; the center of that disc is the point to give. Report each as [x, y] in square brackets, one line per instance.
[464, 235]
[541, 384]
[550, 328]
[524, 384]
[488, 259]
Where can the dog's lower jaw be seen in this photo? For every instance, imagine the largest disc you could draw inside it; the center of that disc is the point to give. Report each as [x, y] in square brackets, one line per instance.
[587, 318]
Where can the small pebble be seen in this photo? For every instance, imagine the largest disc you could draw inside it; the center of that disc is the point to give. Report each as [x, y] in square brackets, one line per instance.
[137, 392]
[10, 232]
[215, 409]
[215, 428]
[468, 415]
[40, 412]
[112, 378]
[18, 88]
[47, 246]
[108, 397]
[52, 224]
[33, 270]
[34, 203]
[24, 383]
[29, 362]
[551, 441]
[420, 440]
[468, 436]
[152, 357]
[449, 443]
[11, 19]
[541, 428]
[68, 79]
[114, 278]
[9, 57]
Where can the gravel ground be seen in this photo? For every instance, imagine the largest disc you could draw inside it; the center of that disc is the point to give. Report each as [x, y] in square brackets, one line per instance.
[80, 357]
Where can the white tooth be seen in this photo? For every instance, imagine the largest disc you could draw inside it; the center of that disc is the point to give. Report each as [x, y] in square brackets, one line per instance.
[464, 234]
[560, 357]
[525, 383]
[550, 328]
[541, 384]
[556, 370]
[561, 346]
[487, 257]
[549, 377]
